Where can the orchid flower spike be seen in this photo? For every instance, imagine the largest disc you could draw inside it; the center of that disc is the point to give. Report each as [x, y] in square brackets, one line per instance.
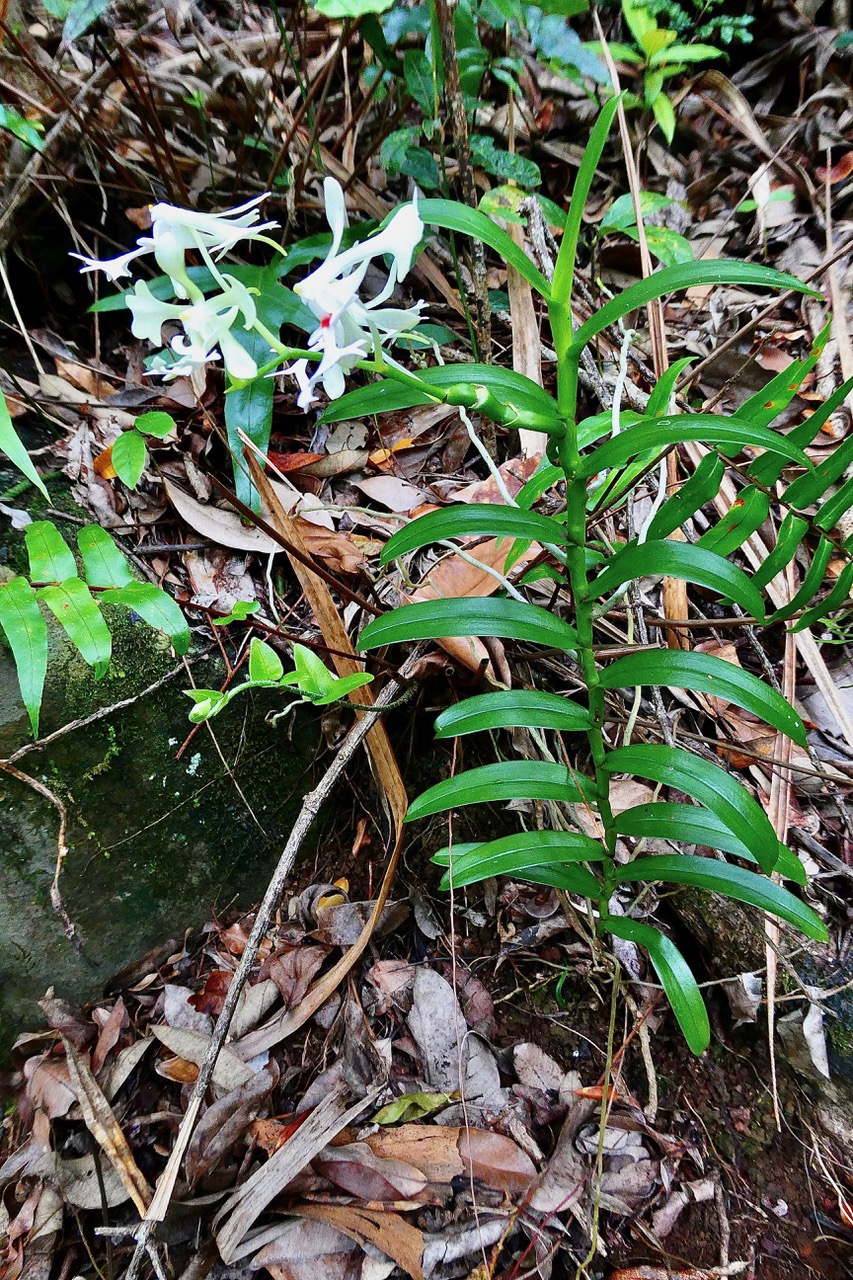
[348, 327]
[174, 231]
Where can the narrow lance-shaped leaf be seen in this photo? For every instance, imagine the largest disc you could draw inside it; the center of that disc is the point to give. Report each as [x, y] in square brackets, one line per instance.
[838, 596]
[694, 824]
[702, 672]
[508, 780]
[458, 217]
[678, 982]
[561, 288]
[510, 709]
[51, 560]
[526, 855]
[710, 785]
[732, 882]
[26, 630]
[481, 519]
[767, 469]
[156, 608]
[729, 434]
[12, 445]
[701, 487]
[810, 585]
[742, 519]
[792, 530]
[469, 616]
[684, 276]
[680, 560]
[103, 563]
[72, 605]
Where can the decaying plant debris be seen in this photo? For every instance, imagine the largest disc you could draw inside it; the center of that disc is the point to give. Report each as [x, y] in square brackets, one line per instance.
[431, 1105]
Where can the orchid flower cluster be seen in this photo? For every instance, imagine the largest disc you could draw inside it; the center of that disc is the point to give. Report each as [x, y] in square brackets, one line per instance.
[349, 329]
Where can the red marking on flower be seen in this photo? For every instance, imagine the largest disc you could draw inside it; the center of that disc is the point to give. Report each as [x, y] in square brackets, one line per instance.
[325, 322]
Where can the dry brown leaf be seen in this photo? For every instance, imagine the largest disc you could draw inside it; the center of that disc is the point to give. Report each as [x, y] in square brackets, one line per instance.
[111, 1030]
[49, 1086]
[226, 1122]
[230, 1072]
[388, 1232]
[355, 1168]
[395, 494]
[99, 1118]
[294, 970]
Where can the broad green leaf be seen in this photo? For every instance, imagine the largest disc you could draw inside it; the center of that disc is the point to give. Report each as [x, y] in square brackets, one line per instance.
[350, 8]
[664, 113]
[128, 456]
[410, 1107]
[514, 855]
[483, 519]
[208, 703]
[82, 15]
[469, 616]
[731, 881]
[564, 270]
[12, 446]
[509, 780]
[26, 630]
[686, 276]
[510, 709]
[452, 216]
[74, 607]
[676, 979]
[700, 487]
[417, 72]
[249, 409]
[686, 669]
[154, 607]
[680, 560]
[621, 214]
[710, 785]
[103, 563]
[730, 434]
[792, 530]
[156, 423]
[51, 560]
[265, 666]
[694, 824]
[508, 165]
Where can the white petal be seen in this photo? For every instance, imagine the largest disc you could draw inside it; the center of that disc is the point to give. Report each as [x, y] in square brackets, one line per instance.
[149, 313]
[237, 360]
[336, 212]
[114, 268]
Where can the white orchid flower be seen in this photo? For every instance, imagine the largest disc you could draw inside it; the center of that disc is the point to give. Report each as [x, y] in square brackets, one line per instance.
[174, 231]
[206, 325]
[349, 328]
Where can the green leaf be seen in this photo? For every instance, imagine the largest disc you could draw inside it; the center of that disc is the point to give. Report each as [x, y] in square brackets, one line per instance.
[685, 53]
[249, 409]
[25, 629]
[51, 560]
[350, 8]
[672, 279]
[128, 456]
[838, 596]
[154, 607]
[27, 131]
[700, 487]
[730, 434]
[792, 530]
[458, 217]
[417, 72]
[483, 519]
[12, 446]
[686, 669]
[680, 560]
[742, 519]
[265, 666]
[731, 881]
[830, 512]
[676, 979]
[155, 423]
[388, 395]
[509, 780]
[410, 1107]
[564, 269]
[767, 469]
[664, 388]
[512, 854]
[621, 214]
[668, 246]
[508, 165]
[810, 585]
[469, 616]
[82, 15]
[510, 709]
[710, 785]
[78, 614]
[664, 113]
[241, 610]
[812, 486]
[103, 563]
[694, 824]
